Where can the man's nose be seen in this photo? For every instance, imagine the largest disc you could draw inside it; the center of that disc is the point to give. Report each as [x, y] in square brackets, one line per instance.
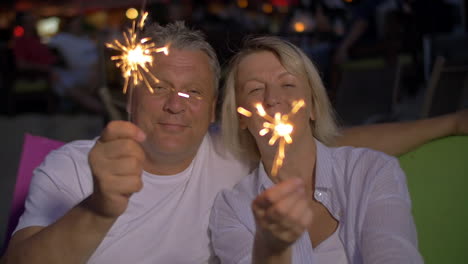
[175, 103]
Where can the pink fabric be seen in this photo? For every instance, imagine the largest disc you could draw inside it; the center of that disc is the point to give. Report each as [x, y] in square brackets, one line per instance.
[35, 149]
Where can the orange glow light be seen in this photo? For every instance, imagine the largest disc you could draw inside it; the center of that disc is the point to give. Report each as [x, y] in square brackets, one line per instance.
[267, 8]
[242, 3]
[299, 27]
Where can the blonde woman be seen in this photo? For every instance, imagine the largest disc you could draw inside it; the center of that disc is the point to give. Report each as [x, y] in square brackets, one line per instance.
[326, 205]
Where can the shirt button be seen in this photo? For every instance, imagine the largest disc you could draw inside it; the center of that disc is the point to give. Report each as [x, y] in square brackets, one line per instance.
[319, 196]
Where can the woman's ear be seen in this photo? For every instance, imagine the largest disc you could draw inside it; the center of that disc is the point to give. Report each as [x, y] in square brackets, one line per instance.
[242, 122]
[312, 115]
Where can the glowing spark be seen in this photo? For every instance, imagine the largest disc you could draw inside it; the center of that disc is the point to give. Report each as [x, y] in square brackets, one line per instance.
[279, 126]
[136, 56]
[183, 95]
[244, 112]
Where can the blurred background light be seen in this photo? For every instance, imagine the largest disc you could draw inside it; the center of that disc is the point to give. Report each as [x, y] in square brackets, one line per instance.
[131, 13]
[48, 27]
[299, 27]
[267, 8]
[242, 3]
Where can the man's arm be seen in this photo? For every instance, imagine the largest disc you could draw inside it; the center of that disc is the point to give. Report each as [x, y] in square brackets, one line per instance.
[401, 137]
[116, 164]
[72, 239]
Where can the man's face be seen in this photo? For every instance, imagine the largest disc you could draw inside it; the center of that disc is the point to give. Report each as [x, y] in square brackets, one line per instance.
[175, 125]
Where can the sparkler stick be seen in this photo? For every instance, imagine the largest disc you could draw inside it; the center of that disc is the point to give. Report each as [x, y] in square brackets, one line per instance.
[279, 126]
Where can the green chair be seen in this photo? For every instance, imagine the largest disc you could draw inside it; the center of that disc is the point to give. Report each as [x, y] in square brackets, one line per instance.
[437, 175]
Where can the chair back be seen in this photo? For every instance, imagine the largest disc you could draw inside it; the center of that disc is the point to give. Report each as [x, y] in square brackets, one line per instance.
[35, 148]
[437, 175]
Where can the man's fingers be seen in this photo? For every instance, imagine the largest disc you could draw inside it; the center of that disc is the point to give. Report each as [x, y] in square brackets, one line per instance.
[128, 184]
[122, 130]
[123, 148]
[127, 166]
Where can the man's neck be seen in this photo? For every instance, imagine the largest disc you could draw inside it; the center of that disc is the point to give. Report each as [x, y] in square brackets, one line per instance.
[167, 164]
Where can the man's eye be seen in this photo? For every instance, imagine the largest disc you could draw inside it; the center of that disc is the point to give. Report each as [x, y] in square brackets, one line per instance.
[160, 89]
[194, 92]
[289, 85]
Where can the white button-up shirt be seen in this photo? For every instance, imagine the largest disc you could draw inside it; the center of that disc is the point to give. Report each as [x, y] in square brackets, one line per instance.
[364, 190]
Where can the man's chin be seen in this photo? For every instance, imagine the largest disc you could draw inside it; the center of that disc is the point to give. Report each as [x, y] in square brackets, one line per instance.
[170, 143]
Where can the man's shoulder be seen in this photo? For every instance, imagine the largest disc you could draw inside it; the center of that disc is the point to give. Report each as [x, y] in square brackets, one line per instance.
[245, 190]
[77, 148]
[74, 153]
[222, 164]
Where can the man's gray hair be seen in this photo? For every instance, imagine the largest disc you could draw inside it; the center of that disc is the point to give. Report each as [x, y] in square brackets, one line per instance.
[179, 36]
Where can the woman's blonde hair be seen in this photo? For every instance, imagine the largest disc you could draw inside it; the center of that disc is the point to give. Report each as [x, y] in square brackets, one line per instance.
[240, 141]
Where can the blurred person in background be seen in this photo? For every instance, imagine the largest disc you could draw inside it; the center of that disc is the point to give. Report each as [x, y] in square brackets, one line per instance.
[78, 78]
[33, 59]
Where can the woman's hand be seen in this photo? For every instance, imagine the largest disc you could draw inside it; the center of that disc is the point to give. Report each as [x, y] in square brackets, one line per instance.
[282, 213]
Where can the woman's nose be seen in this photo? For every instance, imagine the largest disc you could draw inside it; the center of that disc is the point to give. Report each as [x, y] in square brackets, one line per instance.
[272, 97]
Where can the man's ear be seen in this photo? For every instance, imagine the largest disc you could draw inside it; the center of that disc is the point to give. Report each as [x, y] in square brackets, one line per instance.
[213, 110]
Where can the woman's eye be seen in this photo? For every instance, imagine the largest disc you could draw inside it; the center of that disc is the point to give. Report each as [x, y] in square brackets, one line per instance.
[288, 85]
[254, 90]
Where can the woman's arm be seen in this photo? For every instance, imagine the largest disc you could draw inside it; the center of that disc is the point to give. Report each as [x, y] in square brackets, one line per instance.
[282, 214]
[401, 137]
[280, 217]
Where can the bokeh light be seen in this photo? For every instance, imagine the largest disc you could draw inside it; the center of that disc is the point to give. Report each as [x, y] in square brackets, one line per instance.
[131, 13]
[299, 27]
[18, 31]
[242, 3]
[267, 8]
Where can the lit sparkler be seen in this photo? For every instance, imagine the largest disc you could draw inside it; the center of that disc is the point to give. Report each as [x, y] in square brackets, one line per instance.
[280, 127]
[136, 56]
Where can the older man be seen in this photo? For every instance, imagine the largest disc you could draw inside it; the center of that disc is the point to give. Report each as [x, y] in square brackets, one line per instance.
[142, 192]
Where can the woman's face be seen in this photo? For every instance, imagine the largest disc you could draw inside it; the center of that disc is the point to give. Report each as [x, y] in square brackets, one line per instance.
[261, 78]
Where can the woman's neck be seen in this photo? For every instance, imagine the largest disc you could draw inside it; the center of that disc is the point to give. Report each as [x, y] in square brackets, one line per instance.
[299, 161]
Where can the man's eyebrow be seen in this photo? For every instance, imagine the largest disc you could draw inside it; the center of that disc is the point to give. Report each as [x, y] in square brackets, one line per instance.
[161, 81]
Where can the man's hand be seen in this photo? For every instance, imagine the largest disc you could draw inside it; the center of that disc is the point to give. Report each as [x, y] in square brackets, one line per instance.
[116, 162]
[461, 122]
[282, 213]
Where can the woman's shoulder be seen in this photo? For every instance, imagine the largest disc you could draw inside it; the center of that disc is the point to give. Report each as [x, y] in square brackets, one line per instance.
[364, 156]
[362, 166]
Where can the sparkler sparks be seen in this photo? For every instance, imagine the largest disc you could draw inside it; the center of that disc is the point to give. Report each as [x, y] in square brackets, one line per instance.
[279, 126]
[136, 56]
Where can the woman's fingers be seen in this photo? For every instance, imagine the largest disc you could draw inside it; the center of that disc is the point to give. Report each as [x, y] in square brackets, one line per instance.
[283, 211]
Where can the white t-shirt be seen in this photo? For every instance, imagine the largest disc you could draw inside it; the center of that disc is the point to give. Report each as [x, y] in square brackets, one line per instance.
[166, 222]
